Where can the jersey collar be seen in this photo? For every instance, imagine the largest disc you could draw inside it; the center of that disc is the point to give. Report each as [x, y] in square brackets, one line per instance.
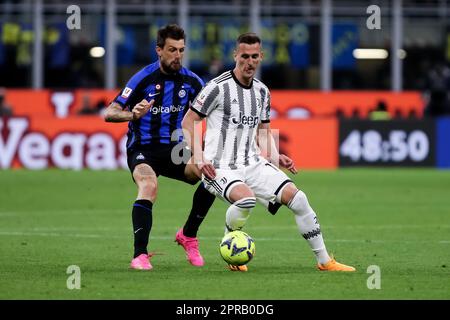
[240, 84]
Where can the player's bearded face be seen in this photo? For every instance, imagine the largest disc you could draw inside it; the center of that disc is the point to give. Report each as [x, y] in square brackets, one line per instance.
[248, 57]
[171, 56]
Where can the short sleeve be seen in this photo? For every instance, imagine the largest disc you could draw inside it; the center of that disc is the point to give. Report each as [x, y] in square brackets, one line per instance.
[132, 94]
[207, 100]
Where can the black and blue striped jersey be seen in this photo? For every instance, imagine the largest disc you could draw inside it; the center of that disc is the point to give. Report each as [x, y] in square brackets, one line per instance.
[173, 95]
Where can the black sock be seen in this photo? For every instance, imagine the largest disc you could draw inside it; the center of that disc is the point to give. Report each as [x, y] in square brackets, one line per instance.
[142, 224]
[201, 203]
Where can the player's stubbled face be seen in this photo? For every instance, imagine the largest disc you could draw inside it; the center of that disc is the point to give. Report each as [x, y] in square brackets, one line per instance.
[248, 57]
[171, 56]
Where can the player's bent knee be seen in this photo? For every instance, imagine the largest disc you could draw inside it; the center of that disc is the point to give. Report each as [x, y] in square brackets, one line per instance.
[238, 213]
[192, 173]
[239, 192]
[287, 193]
[247, 203]
[299, 203]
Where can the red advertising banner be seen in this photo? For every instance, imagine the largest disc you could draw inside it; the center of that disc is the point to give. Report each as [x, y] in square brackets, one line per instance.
[289, 103]
[70, 143]
[312, 144]
[81, 142]
[47, 131]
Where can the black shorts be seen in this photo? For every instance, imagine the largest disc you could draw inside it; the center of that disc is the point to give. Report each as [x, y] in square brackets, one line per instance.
[160, 158]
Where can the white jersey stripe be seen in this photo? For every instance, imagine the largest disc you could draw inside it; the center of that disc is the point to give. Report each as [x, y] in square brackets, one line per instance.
[224, 125]
[251, 134]
[240, 128]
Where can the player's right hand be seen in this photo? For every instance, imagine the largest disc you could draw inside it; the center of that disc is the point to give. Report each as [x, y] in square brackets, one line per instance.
[141, 109]
[287, 163]
[207, 169]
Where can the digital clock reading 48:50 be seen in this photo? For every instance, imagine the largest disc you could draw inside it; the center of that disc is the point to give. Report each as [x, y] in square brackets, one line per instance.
[386, 143]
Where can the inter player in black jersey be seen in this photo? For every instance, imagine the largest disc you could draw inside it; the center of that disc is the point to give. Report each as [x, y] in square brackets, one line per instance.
[154, 102]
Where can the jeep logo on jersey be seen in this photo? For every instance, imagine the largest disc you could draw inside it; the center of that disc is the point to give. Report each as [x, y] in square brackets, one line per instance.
[250, 121]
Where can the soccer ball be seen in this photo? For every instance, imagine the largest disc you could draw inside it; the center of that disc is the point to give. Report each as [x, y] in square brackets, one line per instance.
[237, 248]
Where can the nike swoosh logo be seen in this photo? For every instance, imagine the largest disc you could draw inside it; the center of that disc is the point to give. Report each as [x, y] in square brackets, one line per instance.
[154, 94]
[138, 230]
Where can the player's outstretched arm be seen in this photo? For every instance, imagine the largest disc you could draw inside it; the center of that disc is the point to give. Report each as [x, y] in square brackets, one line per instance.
[115, 113]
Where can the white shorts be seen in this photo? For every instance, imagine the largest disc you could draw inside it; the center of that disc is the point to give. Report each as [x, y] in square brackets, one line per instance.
[265, 180]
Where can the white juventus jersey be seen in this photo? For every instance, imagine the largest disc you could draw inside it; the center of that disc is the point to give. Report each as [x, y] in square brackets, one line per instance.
[233, 113]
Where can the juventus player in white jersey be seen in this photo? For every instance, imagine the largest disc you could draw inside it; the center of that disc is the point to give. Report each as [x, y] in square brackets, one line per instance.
[237, 108]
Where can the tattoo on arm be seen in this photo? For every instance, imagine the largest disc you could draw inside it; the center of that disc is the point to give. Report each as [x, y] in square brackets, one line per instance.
[115, 113]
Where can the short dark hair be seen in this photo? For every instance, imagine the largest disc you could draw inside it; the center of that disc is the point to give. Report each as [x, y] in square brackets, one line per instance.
[248, 38]
[172, 31]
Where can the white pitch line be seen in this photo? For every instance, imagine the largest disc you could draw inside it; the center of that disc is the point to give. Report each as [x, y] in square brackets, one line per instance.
[271, 227]
[80, 235]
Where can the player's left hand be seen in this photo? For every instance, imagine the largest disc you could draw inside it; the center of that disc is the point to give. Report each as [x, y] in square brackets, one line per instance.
[287, 163]
[141, 108]
[207, 169]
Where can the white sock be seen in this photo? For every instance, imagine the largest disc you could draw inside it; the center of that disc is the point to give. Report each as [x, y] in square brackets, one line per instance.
[309, 227]
[238, 213]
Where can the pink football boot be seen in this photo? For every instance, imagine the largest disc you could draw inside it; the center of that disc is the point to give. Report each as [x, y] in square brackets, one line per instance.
[141, 262]
[190, 245]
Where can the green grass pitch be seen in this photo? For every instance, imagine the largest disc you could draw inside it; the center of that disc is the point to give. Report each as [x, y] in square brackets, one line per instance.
[396, 219]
